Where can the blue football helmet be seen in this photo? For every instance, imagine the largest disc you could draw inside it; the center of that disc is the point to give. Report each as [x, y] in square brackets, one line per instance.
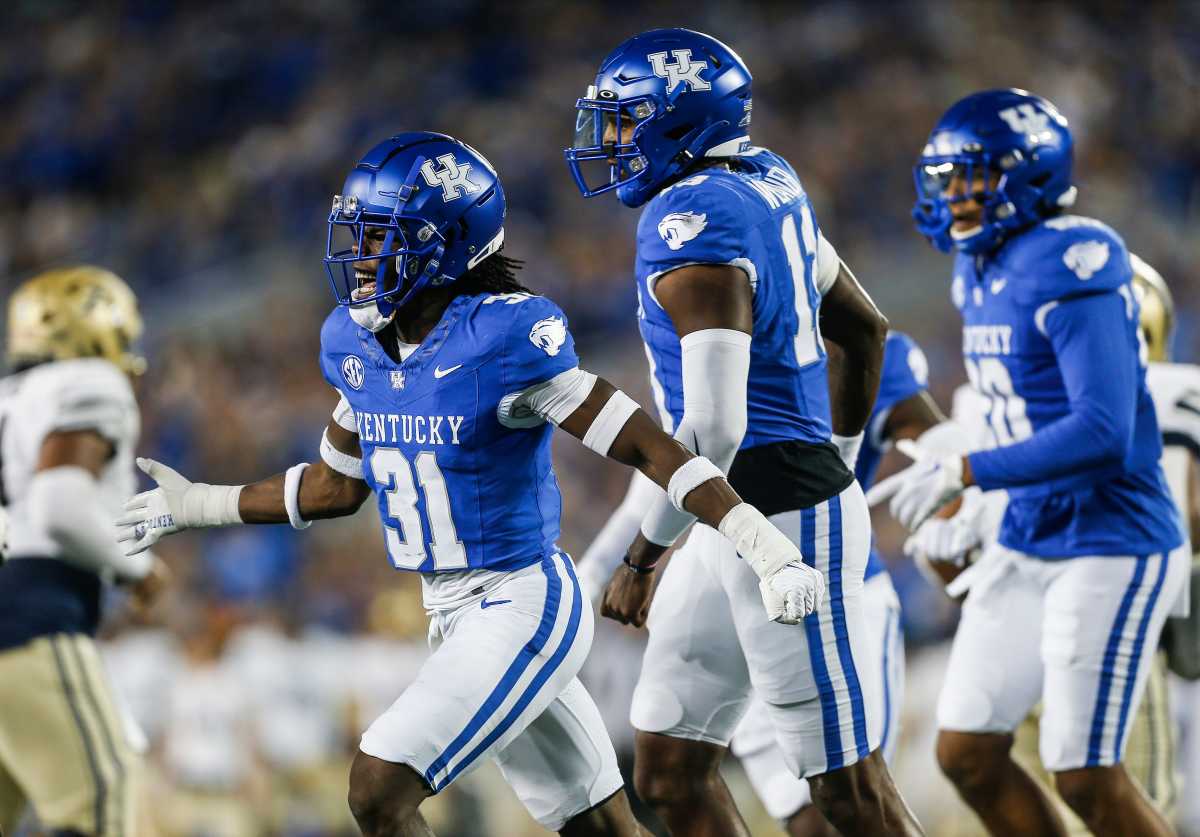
[1011, 136]
[439, 205]
[686, 94]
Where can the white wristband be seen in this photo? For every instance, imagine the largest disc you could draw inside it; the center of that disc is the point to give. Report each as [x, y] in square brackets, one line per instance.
[343, 463]
[291, 495]
[848, 447]
[688, 476]
[608, 422]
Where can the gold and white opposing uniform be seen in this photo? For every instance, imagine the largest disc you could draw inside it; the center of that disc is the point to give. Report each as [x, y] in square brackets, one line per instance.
[64, 747]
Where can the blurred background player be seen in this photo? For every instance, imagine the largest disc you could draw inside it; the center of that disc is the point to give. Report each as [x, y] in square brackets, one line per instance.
[443, 360]
[1091, 556]
[732, 274]
[68, 426]
[1150, 754]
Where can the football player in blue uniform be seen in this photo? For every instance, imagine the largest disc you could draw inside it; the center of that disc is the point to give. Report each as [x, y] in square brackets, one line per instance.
[738, 294]
[450, 375]
[1090, 558]
[903, 410]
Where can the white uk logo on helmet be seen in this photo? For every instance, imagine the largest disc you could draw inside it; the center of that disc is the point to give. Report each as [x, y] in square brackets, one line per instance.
[678, 228]
[683, 70]
[549, 335]
[452, 177]
[1025, 119]
[1086, 258]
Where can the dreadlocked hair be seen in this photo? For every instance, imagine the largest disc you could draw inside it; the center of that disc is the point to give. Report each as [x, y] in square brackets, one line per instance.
[497, 274]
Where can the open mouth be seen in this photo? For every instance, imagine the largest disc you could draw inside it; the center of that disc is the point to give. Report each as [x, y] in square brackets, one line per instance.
[366, 285]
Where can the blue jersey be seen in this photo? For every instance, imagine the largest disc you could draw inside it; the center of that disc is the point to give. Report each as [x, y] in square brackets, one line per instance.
[1051, 340]
[757, 218]
[460, 484]
[905, 374]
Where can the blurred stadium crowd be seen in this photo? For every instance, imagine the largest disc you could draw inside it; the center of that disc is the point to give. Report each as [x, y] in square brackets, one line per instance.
[194, 148]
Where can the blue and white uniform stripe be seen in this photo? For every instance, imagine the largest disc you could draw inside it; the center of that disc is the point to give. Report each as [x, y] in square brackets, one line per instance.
[525, 677]
[1122, 656]
[829, 648]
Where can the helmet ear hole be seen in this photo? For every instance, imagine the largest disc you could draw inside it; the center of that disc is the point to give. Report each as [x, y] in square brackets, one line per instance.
[678, 132]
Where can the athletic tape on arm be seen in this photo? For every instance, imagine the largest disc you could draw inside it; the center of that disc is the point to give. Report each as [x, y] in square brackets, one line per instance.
[609, 421]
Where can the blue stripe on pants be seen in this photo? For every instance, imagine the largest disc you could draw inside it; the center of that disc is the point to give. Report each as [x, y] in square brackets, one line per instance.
[888, 627]
[528, 653]
[1095, 739]
[841, 632]
[1134, 664]
[564, 647]
[816, 652]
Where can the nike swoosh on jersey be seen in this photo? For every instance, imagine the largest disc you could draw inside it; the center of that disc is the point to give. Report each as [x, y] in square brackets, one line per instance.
[485, 604]
[439, 372]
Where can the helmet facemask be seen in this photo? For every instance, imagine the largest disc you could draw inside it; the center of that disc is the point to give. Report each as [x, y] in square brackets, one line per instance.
[383, 279]
[601, 121]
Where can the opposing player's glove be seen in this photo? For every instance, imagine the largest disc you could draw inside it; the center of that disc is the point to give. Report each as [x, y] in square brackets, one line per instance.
[790, 588]
[176, 504]
[922, 488]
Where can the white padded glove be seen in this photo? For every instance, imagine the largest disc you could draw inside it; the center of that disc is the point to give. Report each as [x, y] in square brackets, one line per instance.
[922, 488]
[790, 588]
[176, 504]
[949, 541]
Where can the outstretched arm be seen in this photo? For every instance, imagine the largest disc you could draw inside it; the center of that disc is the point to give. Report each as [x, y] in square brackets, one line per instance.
[331, 488]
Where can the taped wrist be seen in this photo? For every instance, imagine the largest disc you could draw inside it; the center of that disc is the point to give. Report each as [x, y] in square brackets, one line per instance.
[204, 506]
[291, 495]
[689, 476]
[757, 540]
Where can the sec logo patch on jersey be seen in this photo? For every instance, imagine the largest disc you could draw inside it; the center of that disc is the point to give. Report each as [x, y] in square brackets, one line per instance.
[353, 372]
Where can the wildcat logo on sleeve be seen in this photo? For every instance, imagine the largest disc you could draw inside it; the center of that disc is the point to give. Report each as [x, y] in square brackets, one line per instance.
[353, 372]
[1086, 258]
[549, 335]
[678, 228]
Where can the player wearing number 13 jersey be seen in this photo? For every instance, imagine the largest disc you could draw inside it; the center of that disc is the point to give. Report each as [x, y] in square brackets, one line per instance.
[1067, 608]
[450, 377]
[747, 315]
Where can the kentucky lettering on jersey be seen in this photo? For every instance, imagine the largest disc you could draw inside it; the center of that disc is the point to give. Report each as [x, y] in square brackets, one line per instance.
[756, 217]
[987, 340]
[457, 488]
[1050, 340]
[394, 428]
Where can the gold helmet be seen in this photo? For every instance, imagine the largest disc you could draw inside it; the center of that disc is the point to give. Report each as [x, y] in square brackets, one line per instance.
[74, 312]
[1158, 309]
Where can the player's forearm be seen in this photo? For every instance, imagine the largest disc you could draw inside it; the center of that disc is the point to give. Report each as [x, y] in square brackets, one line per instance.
[854, 369]
[854, 332]
[642, 445]
[323, 494]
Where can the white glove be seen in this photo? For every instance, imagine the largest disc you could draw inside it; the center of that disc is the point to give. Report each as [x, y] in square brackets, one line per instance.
[920, 489]
[949, 540]
[790, 588]
[176, 504]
